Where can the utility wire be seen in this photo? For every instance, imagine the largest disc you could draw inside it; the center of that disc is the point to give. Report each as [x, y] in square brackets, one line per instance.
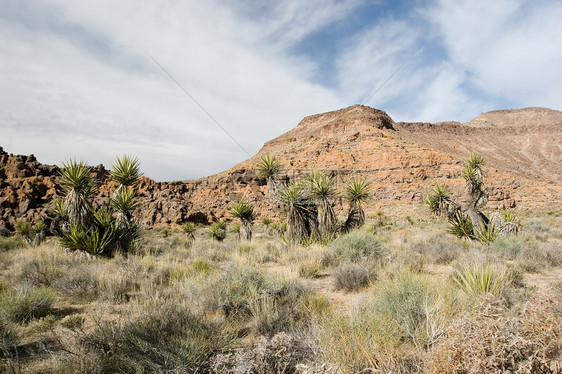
[389, 78]
[196, 102]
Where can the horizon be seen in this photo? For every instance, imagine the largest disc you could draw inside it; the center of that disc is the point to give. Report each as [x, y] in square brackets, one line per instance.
[78, 79]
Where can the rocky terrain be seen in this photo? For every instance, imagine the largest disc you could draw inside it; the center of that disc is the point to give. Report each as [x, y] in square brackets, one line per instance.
[403, 160]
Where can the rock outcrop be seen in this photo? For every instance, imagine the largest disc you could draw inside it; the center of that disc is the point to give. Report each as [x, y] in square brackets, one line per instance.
[403, 161]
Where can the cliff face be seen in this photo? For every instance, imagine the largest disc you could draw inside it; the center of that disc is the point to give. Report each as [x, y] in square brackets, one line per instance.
[403, 160]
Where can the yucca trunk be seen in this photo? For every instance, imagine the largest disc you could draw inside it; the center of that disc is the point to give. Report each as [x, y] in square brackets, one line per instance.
[297, 225]
[326, 218]
[78, 209]
[245, 230]
[355, 216]
[271, 188]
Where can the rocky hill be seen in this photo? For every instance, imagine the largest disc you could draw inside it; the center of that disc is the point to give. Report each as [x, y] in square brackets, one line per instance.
[403, 160]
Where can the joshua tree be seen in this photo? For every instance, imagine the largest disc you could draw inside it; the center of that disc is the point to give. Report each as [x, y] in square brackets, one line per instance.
[293, 197]
[79, 188]
[125, 171]
[357, 192]
[244, 210]
[268, 167]
[476, 195]
[323, 191]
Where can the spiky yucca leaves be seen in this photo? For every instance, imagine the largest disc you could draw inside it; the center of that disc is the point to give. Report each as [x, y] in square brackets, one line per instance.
[189, 229]
[267, 168]
[123, 203]
[294, 198]
[32, 234]
[461, 226]
[79, 187]
[244, 210]
[474, 177]
[357, 191]
[125, 170]
[93, 240]
[440, 203]
[487, 234]
[322, 189]
[480, 279]
[218, 230]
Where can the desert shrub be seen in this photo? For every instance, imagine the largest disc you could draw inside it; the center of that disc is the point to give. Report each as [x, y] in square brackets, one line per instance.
[73, 322]
[195, 268]
[279, 355]
[117, 286]
[350, 277]
[166, 337]
[441, 249]
[414, 308]
[309, 267]
[78, 282]
[361, 342]
[404, 259]
[358, 245]
[25, 305]
[490, 340]
[9, 341]
[511, 247]
[8, 243]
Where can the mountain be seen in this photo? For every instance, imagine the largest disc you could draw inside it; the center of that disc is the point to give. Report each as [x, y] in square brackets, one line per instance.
[403, 160]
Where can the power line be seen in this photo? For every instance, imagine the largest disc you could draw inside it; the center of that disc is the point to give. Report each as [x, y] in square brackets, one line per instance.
[196, 102]
[389, 78]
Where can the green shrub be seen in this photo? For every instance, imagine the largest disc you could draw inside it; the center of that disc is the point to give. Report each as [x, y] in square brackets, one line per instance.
[8, 243]
[358, 245]
[511, 247]
[413, 307]
[22, 306]
[166, 337]
[9, 341]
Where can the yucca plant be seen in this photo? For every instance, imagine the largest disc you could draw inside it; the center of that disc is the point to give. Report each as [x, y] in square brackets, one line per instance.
[480, 279]
[79, 188]
[125, 170]
[267, 168]
[322, 189]
[476, 195]
[461, 226]
[218, 230]
[92, 240]
[440, 203]
[294, 198]
[487, 234]
[189, 229]
[357, 192]
[32, 234]
[244, 211]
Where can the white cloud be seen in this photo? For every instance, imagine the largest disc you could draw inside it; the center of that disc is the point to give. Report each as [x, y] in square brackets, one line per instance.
[77, 70]
[76, 82]
[510, 48]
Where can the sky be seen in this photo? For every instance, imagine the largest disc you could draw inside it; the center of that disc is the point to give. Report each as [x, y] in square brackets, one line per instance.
[193, 87]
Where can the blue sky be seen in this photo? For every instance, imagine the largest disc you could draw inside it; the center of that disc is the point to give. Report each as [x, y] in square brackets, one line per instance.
[76, 80]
